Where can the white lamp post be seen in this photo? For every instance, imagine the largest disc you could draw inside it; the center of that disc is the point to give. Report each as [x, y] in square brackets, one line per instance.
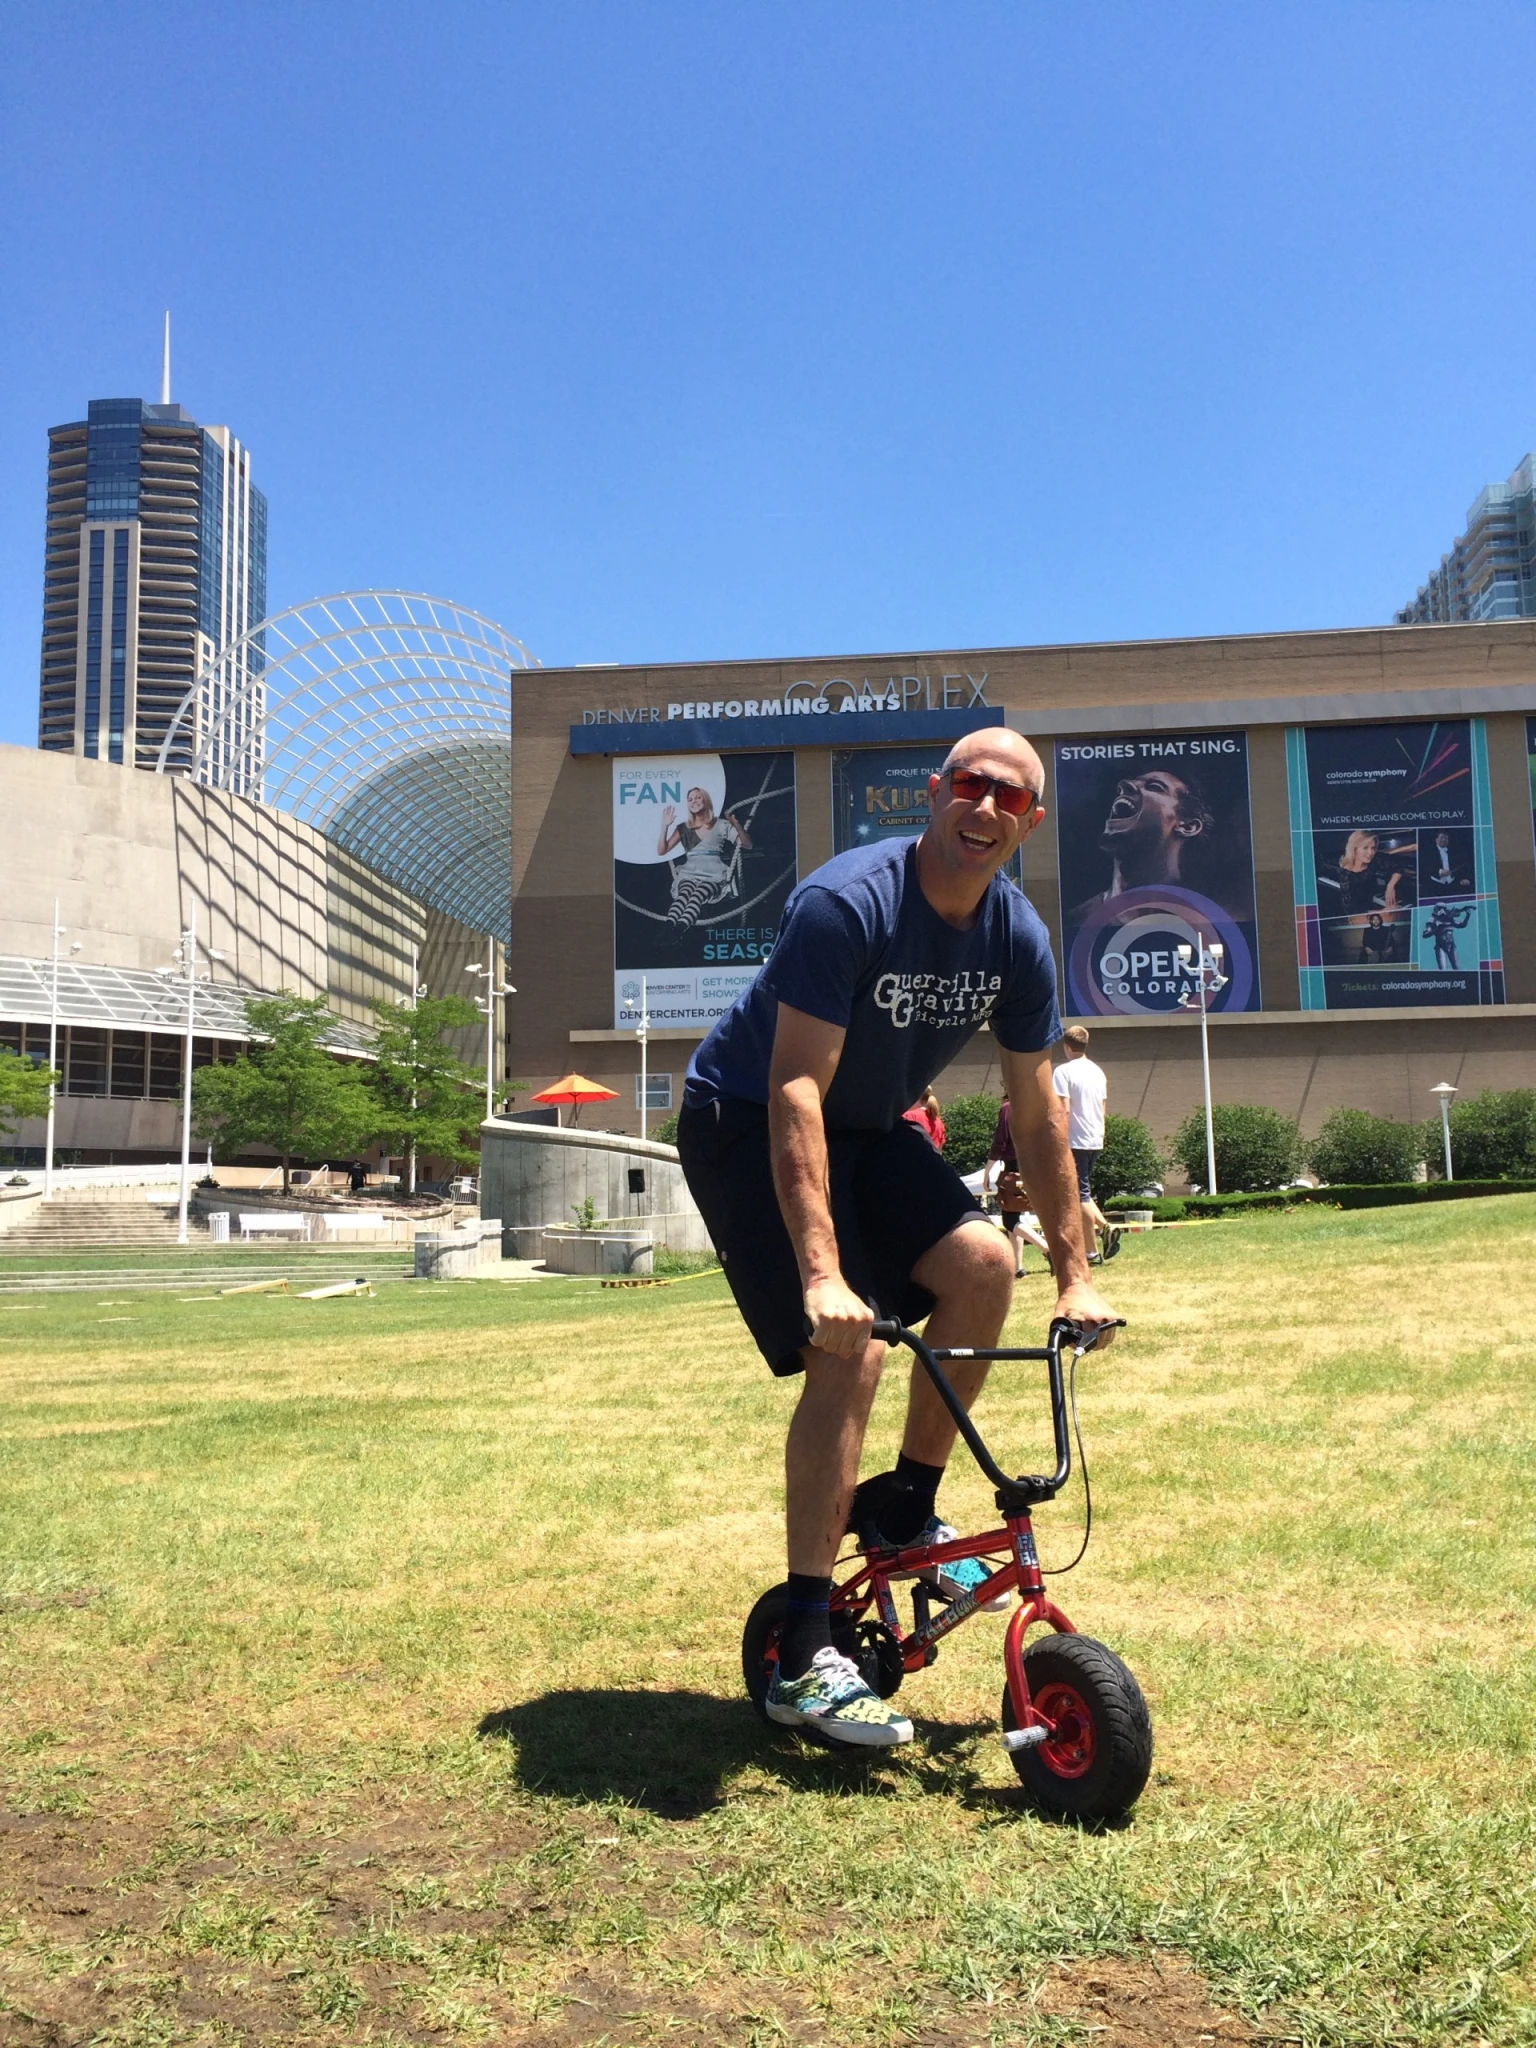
[418, 990]
[186, 957]
[1445, 1091]
[1209, 979]
[53, 1046]
[643, 1033]
[487, 1001]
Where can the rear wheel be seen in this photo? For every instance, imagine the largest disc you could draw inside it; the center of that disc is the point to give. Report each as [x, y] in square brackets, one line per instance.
[868, 1644]
[1094, 1764]
[760, 1646]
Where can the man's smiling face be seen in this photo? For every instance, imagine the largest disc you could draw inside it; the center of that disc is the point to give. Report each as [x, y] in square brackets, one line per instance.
[976, 837]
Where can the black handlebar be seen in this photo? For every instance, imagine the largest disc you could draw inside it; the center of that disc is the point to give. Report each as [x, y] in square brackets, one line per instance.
[1028, 1489]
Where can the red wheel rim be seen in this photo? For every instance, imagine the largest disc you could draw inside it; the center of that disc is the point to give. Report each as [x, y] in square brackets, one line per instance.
[1068, 1752]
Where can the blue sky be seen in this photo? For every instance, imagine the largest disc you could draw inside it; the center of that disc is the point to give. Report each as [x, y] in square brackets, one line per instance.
[666, 331]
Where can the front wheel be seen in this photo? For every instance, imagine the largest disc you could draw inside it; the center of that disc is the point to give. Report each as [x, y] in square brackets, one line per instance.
[1094, 1764]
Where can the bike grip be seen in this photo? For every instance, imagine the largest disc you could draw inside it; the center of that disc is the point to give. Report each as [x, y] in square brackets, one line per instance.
[886, 1332]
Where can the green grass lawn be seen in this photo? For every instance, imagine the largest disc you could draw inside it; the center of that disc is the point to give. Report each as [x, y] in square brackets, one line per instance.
[371, 1672]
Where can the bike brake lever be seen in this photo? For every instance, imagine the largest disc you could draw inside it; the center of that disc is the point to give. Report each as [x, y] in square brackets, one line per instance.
[1082, 1336]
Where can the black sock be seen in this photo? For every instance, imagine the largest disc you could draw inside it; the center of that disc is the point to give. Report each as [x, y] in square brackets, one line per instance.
[909, 1511]
[807, 1625]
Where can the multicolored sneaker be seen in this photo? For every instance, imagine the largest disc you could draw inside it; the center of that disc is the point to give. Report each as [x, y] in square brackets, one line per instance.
[834, 1702]
[962, 1574]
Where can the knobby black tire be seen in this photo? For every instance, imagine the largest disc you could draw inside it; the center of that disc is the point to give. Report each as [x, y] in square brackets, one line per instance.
[763, 1626]
[1122, 1730]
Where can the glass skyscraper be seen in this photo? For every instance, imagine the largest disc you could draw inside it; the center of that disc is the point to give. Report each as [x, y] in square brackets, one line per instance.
[156, 558]
[1490, 572]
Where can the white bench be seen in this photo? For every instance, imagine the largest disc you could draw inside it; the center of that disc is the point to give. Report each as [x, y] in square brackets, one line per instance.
[362, 1219]
[273, 1222]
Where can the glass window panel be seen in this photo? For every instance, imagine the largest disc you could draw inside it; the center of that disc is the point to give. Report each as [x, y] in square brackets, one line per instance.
[86, 1071]
[164, 1067]
[128, 1064]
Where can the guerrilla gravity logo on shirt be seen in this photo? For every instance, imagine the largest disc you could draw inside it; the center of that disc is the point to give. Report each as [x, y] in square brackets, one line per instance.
[938, 999]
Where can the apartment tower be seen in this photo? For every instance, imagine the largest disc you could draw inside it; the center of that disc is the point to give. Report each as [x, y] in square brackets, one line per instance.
[156, 558]
[1490, 572]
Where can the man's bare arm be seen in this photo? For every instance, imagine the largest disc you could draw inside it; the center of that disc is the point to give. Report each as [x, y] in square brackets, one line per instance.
[1039, 1118]
[805, 1056]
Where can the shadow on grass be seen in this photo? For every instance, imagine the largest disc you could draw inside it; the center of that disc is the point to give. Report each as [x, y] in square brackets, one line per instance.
[675, 1753]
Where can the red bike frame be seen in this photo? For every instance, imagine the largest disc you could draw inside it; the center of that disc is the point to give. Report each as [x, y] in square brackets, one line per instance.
[871, 1586]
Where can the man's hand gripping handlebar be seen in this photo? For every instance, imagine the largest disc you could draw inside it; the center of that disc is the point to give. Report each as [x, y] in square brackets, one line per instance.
[838, 1321]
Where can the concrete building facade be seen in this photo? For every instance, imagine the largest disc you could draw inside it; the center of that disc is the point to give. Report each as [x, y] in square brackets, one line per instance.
[1292, 1047]
[130, 859]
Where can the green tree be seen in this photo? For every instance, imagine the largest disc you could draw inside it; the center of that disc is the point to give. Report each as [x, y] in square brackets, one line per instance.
[1129, 1161]
[428, 1100]
[23, 1089]
[287, 1091]
[665, 1133]
[1255, 1148]
[969, 1122]
[1356, 1149]
[1493, 1136]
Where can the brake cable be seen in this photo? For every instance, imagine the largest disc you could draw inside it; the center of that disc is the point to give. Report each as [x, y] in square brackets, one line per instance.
[1057, 1571]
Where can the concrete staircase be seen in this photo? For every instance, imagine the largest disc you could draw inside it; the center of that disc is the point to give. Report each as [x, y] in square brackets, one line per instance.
[87, 1221]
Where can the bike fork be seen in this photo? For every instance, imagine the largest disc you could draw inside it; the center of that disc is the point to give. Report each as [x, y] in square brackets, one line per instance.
[1029, 1726]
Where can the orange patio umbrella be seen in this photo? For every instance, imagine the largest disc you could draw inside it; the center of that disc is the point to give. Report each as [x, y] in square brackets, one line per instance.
[577, 1089]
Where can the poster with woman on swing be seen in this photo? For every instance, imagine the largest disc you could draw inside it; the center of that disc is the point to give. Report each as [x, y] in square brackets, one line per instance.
[703, 864]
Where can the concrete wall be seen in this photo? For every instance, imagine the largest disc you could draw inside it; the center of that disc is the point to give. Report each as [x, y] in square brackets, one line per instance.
[532, 1175]
[130, 856]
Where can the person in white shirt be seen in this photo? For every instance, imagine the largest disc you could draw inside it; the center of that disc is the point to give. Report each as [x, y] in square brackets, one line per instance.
[1084, 1088]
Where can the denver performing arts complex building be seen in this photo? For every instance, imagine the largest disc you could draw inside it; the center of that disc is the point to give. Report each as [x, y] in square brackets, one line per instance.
[395, 781]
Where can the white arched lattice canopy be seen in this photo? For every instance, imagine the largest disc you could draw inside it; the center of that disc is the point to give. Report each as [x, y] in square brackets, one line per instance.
[383, 718]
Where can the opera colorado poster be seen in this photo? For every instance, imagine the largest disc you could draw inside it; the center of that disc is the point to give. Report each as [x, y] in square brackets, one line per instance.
[703, 864]
[1154, 851]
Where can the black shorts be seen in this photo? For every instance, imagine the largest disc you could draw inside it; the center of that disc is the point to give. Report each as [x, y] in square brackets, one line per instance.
[893, 1198]
[1085, 1162]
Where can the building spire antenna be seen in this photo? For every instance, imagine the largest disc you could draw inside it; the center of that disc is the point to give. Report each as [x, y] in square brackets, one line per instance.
[165, 362]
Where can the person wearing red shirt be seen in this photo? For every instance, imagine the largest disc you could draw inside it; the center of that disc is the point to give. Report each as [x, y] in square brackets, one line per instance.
[925, 1115]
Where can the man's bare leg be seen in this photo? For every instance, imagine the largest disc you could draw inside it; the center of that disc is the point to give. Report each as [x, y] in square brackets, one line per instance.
[821, 1455]
[970, 1275]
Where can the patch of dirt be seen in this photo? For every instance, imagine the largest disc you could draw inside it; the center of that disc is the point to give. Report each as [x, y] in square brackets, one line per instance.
[95, 1903]
[1145, 2001]
[31, 1603]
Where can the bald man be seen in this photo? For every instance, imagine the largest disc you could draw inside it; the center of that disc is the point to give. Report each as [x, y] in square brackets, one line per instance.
[828, 1210]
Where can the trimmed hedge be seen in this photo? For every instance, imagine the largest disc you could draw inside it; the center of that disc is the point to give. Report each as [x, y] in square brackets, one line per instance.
[1174, 1208]
[1166, 1208]
[1256, 1148]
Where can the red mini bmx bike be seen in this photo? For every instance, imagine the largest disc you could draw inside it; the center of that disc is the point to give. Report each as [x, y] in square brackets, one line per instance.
[1075, 1723]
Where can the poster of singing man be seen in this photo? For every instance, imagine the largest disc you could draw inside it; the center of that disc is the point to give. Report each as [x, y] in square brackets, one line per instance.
[1155, 852]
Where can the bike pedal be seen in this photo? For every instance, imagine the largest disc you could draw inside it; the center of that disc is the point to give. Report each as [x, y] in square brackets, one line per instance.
[1023, 1738]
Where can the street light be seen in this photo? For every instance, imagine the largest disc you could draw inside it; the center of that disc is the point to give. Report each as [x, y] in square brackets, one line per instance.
[1209, 980]
[418, 990]
[486, 1001]
[1445, 1091]
[53, 1046]
[186, 960]
[643, 1033]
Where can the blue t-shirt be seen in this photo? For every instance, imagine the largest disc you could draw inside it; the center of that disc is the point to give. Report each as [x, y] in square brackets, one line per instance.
[861, 946]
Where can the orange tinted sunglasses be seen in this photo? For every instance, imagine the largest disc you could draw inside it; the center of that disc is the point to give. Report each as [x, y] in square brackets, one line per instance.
[1010, 797]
